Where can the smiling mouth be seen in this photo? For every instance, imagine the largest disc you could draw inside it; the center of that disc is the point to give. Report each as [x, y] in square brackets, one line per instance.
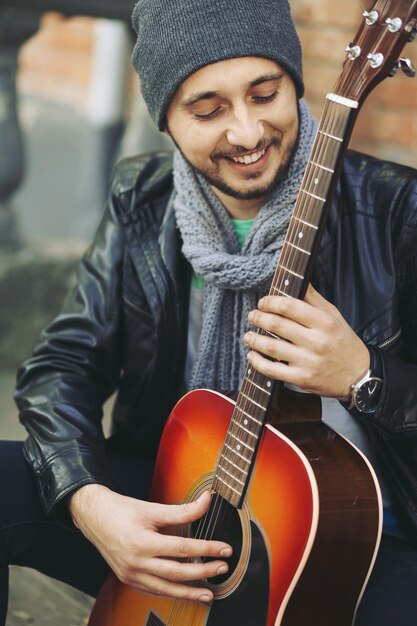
[248, 159]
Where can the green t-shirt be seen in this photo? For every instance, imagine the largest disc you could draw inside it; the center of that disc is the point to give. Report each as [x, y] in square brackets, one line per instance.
[242, 228]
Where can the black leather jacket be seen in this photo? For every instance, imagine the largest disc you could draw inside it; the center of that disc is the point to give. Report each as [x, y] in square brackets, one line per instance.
[124, 325]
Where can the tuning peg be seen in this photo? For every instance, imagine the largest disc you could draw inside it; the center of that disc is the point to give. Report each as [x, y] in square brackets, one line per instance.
[407, 67]
[371, 17]
[394, 24]
[353, 51]
[393, 70]
[412, 35]
[375, 60]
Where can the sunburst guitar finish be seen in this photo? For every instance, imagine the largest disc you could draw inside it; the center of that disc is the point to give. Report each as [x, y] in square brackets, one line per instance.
[304, 539]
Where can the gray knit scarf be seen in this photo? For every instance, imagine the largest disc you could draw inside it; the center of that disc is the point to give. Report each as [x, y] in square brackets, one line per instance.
[235, 276]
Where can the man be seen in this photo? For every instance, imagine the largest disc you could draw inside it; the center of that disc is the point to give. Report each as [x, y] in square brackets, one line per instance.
[167, 300]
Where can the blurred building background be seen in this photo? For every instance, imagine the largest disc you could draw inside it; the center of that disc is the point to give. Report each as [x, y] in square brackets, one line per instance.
[79, 110]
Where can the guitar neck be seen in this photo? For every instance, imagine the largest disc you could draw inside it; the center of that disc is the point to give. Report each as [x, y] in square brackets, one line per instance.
[291, 278]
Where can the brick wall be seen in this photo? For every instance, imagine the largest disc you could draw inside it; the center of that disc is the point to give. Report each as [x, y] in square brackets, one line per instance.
[55, 64]
[387, 124]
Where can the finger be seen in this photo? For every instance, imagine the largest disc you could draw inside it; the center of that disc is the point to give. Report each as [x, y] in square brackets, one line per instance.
[276, 370]
[161, 587]
[274, 347]
[180, 572]
[187, 548]
[277, 326]
[185, 513]
[290, 308]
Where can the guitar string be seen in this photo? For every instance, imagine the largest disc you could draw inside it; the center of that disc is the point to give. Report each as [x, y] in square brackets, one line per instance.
[177, 611]
[317, 156]
[212, 522]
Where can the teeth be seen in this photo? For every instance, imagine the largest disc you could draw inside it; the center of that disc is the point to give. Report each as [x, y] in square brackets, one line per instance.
[249, 158]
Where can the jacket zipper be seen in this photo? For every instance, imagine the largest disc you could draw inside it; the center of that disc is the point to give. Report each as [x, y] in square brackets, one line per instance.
[138, 309]
[388, 342]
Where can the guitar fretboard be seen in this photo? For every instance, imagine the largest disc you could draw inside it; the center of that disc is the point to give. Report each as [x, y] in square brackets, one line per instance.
[238, 455]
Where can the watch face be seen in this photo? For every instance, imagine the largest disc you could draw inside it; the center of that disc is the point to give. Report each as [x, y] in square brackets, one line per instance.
[367, 395]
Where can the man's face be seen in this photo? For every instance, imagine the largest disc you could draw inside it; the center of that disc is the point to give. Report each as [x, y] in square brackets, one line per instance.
[236, 122]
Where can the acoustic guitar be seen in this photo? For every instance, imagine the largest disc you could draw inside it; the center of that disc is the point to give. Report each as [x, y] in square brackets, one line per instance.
[299, 504]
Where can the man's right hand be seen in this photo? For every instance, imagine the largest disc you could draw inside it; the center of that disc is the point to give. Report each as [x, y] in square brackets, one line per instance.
[127, 534]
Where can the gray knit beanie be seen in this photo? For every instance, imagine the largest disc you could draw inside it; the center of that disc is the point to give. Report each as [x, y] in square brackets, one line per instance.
[178, 37]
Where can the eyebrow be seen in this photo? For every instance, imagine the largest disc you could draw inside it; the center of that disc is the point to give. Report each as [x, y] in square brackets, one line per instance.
[207, 95]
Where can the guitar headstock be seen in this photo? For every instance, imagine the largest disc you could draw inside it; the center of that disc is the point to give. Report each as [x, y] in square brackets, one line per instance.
[375, 51]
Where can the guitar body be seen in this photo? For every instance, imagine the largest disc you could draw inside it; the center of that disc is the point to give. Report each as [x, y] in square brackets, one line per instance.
[304, 540]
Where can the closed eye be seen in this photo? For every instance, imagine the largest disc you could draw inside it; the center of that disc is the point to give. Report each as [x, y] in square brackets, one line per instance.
[265, 99]
[207, 116]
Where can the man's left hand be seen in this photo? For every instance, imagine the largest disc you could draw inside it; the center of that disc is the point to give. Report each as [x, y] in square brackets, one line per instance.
[312, 346]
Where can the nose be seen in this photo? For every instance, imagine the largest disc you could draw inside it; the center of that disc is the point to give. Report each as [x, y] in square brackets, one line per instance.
[244, 128]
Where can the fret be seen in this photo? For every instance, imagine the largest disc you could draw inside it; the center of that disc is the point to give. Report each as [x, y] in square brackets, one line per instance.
[322, 167]
[251, 417]
[237, 453]
[282, 293]
[294, 217]
[308, 193]
[298, 248]
[251, 382]
[243, 426]
[231, 475]
[250, 433]
[291, 272]
[288, 281]
[228, 486]
[322, 132]
[225, 458]
[254, 401]
[239, 443]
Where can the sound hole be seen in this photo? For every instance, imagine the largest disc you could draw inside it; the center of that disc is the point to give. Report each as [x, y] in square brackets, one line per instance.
[221, 523]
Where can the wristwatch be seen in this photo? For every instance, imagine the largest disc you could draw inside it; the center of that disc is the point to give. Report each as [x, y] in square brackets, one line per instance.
[366, 392]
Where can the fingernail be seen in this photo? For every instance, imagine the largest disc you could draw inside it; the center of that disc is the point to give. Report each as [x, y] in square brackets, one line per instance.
[206, 599]
[226, 552]
[222, 569]
[250, 316]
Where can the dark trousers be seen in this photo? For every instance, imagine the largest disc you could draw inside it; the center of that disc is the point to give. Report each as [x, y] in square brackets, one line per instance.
[28, 538]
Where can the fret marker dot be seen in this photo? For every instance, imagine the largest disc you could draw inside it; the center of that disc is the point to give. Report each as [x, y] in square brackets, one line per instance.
[268, 384]
[287, 282]
[300, 235]
[245, 422]
[238, 446]
[249, 371]
[316, 182]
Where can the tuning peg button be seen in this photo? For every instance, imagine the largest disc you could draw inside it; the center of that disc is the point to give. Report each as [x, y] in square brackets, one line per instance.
[371, 17]
[376, 60]
[407, 67]
[353, 52]
[394, 24]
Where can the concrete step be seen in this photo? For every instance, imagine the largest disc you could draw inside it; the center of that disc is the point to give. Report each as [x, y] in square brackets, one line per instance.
[40, 601]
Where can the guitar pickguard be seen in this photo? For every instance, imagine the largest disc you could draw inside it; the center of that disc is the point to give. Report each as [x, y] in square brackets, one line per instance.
[248, 604]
